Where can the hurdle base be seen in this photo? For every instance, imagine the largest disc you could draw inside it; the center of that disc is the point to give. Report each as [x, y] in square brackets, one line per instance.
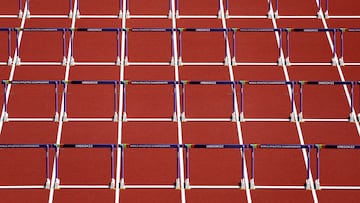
[124, 117]
[326, 14]
[317, 184]
[293, 117]
[227, 14]
[115, 118]
[112, 184]
[6, 117]
[169, 14]
[126, 61]
[333, 61]
[122, 184]
[180, 61]
[308, 184]
[10, 61]
[280, 62]
[226, 61]
[219, 14]
[127, 14]
[28, 14]
[241, 117]
[233, 61]
[242, 184]
[177, 15]
[233, 117]
[18, 61]
[63, 63]
[318, 14]
[341, 61]
[276, 14]
[78, 14]
[269, 14]
[118, 62]
[287, 61]
[174, 117]
[177, 184]
[47, 183]
[72, 61]
[172, 61]
[182, 117]
[56, 117]
[20, 15]
[70, 14]
[352, 117]
[64, 117]
[187, 184]
[252, 184]
[358, 117]
[57, 183]
[120, 14]
[300, 117]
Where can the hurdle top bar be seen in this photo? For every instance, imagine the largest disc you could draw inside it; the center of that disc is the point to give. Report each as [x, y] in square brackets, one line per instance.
[30, 82]
[325, 82]
[136, 146]
[90, 82]
[210, 82]
[336, 146]
[4, 146]
[216, 146]
[85, 145]
[280, 146]
[149, 82]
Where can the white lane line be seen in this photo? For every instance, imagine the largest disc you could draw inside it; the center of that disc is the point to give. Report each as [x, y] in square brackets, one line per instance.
[59, 131]
[178, 105]
[298, 127]
[238, 126]
[341, 75]
[119, 141]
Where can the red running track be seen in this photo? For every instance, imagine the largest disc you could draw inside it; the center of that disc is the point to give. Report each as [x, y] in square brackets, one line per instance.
[150, 166]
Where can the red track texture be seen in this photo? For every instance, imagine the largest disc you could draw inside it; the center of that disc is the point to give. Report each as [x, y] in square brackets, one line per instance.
[158, 166]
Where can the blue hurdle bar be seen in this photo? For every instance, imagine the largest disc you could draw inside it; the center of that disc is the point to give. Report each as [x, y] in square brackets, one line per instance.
[148, 82]
[9, 31]
[34, 146]
[32, 82]
[214, 146]
[242, 100]
[194, 82]
[318, 148]
[150, 146]
[87, 146]
[278, 146]
[330, 83]
[115, 83]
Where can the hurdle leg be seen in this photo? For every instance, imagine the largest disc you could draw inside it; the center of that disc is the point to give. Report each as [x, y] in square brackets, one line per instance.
[352, 116]
[341, 59]
[183, 102]
[180, 48]
[20, 15]
[233, 60]
[47, 182]
[126, 60]
[56, 117]
[318, 14]
[116, 116]
[308, 183]
[300, 116]
[227, 9]
[242, 103]
[124, 115]
[280, 60]
[64, 117]
[6, 115]
[317, 181]
[292, 114]
[187, 170]
[120, 8]
[269, 13]
[333, 60]
[127, 14]
[252, 181]
[64, 48]
[233, 114]
[112, 182]
[72, 59]
[18, 60]
[287, 59]
[242, 183]
[177, 15]
[177, 181]
[9, 48]
[169, 12]
[57, 179]
[77, 9]
[28, 9]
[219, 10]
[327, 9]
[122, 174]
[71, 8]
[117, 62]
[172, 61]
[276, 14]
[174, 116]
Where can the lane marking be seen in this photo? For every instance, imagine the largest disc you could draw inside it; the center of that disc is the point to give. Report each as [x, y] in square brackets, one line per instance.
[238, 126]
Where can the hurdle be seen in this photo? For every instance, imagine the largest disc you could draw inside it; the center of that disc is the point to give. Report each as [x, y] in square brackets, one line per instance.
[111, 30]
[351, 117]
[6, 83]
[342, 44]
[320, 147]
[9, 32]
[123, 147]
[309, 30]
[187, 147]
[183, 83]
[145, 30]
[242, 83]
[61, 30]
[115, 83]
[180, 40]
[125, 117]
[45, 147]
[279, 146]
[112, 148]
[234, 31]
